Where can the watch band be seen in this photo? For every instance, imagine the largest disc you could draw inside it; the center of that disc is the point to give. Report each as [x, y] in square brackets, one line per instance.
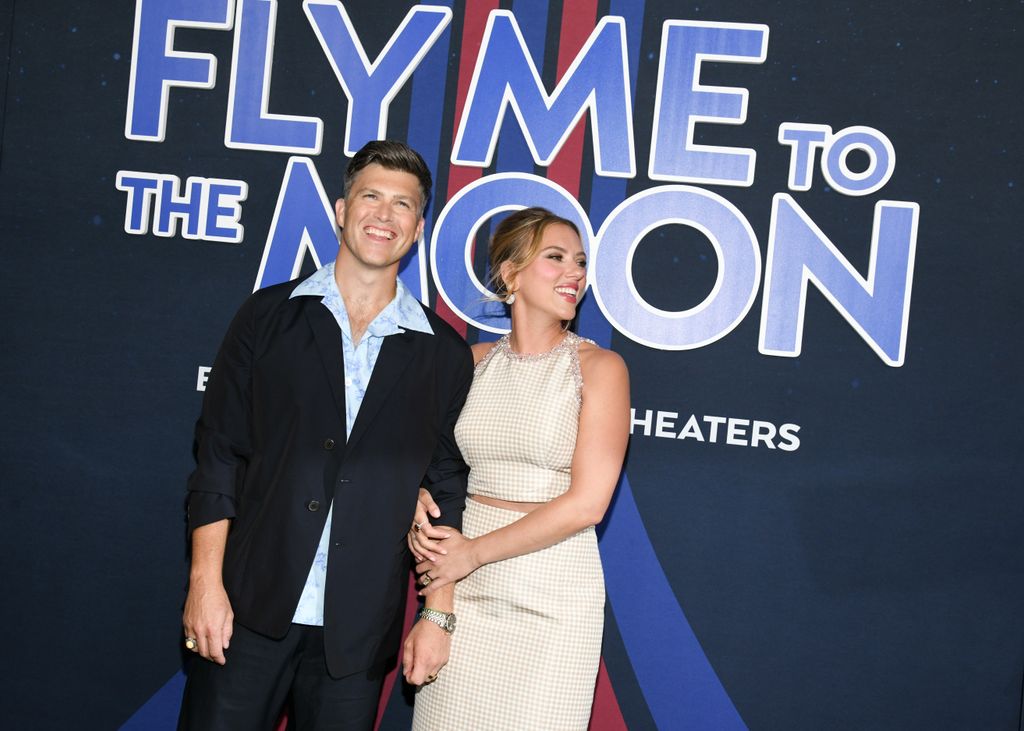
[444, 620]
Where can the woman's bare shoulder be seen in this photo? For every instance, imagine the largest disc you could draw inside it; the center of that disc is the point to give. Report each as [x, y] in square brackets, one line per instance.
[602, 365]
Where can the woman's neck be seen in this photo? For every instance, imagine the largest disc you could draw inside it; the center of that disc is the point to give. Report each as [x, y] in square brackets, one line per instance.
[527, 338]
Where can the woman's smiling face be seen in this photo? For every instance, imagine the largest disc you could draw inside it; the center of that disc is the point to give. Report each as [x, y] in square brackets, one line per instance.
[557, 277]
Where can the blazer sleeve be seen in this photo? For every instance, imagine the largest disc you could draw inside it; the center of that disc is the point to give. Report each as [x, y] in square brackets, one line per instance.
[222, 445]
[447, 474]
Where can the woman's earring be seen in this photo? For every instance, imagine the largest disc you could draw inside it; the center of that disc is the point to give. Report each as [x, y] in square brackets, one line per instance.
[511, 298]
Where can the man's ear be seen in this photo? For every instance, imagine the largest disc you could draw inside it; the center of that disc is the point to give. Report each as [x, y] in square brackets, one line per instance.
[339, 212]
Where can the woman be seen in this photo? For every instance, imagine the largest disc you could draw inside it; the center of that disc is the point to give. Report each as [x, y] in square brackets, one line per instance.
[544, 431]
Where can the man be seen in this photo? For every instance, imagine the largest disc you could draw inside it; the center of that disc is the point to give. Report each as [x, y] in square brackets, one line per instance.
[330, 402]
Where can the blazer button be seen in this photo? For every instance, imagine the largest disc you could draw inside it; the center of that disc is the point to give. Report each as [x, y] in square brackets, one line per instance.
[328, 444]
[313, 506]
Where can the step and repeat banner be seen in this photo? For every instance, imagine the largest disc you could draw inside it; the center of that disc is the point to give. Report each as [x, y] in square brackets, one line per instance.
[804, 227]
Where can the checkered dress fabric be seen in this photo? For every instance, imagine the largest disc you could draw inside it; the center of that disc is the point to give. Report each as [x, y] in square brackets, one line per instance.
[526, 649]
[517, 431]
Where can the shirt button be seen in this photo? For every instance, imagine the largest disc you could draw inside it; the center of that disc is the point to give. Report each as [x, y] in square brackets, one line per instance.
[313, 506]
[348, 381]
[328, 444]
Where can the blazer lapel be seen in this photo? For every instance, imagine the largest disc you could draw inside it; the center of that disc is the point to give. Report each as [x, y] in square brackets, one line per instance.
[328, 342]
[396, 353]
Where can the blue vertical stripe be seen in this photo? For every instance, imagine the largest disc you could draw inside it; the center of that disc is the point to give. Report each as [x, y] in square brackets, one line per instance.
[426, 119]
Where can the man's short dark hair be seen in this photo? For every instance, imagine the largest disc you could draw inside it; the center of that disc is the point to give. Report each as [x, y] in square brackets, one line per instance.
[392, 155]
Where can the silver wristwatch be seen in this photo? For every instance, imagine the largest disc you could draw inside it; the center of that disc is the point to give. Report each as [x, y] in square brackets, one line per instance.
[444, 620]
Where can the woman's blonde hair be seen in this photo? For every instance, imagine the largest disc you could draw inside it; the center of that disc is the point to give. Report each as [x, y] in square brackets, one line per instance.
[517, 240]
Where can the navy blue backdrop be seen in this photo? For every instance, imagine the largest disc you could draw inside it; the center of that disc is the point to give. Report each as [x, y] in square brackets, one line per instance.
[820, 523]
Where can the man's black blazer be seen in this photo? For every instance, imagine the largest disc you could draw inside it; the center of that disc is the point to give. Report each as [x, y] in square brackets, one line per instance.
[271, 454]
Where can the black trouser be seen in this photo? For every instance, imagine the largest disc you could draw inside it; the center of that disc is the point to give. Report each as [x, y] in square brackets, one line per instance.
[248, 693]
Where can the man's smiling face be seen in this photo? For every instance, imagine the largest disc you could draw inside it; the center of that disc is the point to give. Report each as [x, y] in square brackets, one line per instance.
[380, 218]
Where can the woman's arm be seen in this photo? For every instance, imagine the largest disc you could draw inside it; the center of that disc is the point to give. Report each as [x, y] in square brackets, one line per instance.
[596, 464]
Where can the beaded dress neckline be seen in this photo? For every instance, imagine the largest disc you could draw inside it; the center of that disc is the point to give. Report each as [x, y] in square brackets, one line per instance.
[504, 346]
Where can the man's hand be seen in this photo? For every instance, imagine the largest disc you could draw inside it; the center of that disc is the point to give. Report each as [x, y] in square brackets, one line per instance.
[422, 534]
[425, 652]
[209, 619]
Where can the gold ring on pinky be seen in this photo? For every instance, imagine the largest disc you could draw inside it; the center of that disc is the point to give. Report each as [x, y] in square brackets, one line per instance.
[191, 644]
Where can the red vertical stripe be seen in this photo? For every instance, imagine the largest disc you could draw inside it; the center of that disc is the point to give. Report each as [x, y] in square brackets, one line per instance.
[606, 714]
[473, 25]
[578, 20]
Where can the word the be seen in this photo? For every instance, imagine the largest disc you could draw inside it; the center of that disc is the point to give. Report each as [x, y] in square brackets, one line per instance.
[208, 210]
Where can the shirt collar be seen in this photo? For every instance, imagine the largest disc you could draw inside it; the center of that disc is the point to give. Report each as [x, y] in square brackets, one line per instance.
[402, 313]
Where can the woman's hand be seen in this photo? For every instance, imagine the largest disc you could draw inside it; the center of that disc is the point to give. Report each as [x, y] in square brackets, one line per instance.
[422, 536]
[455, 561]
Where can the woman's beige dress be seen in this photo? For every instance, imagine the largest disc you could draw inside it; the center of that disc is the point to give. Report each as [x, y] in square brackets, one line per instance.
[527, 644]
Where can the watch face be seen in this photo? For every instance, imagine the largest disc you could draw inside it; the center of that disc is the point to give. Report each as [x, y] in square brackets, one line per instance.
[450, 623]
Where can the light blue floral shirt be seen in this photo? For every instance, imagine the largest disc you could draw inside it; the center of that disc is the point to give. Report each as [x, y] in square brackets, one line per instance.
[402, 313]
